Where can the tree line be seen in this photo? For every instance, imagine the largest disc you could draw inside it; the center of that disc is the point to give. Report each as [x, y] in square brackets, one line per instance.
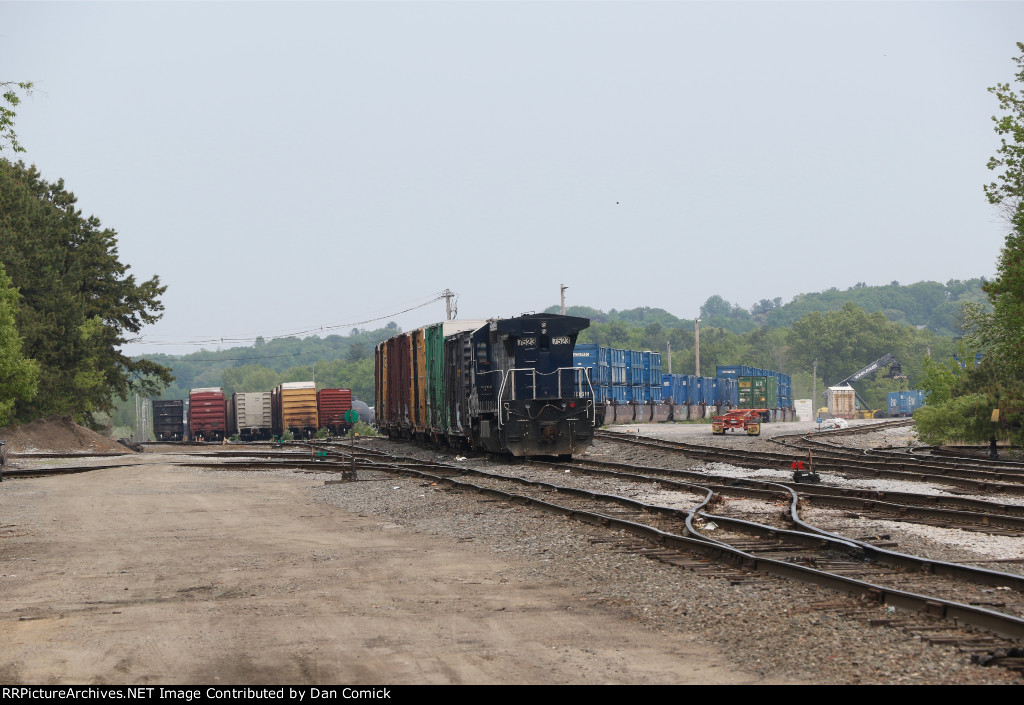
[67, 304]
[984, 400]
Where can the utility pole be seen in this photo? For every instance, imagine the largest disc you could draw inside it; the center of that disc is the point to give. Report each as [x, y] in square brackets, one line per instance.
[696, 346]
[449, 310]
[564, 287]
[668, 347]
[814, 392]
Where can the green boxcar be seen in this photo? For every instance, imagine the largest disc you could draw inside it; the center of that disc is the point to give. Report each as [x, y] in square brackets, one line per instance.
[758, 392]
[437, 420]
[434, 335]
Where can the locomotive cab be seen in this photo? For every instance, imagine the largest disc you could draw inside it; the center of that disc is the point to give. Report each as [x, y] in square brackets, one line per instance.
[530, 398]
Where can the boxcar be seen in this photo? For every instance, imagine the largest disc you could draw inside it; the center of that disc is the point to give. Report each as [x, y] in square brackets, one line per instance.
[169, 419]
[249, 415]
[207, 414]
[293, 406]
[331, 407]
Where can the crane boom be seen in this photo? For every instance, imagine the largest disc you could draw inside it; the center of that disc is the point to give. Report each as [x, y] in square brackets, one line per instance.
[894, 370]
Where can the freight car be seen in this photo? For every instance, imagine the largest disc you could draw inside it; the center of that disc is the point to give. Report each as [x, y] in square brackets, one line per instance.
[169, 419]
[293, 407]
[207, 420]
[249, 415]
[504, 386]
[331, 407]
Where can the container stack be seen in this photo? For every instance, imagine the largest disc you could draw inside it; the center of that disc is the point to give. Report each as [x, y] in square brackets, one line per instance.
[621, 376]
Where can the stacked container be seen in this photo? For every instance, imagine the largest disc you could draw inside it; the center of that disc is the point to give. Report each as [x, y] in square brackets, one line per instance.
[621, 376]
[595, 358]
[758, 392]
[784, 383]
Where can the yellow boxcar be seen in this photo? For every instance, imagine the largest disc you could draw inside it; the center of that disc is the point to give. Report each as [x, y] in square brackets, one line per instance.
[294, 406]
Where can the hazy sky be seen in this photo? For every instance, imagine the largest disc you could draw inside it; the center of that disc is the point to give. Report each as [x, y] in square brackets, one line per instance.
[284, 167]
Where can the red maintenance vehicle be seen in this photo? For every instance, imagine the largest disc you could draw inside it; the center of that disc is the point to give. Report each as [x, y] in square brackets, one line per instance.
[747, 419]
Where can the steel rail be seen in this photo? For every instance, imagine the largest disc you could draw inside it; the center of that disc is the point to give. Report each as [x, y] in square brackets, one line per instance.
[1008, 626]
[990, 483]
[1000, 623]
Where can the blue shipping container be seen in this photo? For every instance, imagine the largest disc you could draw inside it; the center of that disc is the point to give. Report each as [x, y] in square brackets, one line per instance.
[905, 403]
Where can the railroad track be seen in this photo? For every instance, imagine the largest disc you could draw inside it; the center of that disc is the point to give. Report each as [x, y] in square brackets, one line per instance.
[936, 510]
[986, 481]
[679, 536]
[739, 550]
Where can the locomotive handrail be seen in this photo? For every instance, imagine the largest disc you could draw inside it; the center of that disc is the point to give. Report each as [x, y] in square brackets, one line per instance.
[579, 375]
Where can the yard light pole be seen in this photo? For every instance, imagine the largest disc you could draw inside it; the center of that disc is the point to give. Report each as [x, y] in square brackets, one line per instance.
[696, 346]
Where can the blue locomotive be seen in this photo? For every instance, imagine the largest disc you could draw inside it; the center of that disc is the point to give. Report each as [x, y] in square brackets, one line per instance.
[503, 385]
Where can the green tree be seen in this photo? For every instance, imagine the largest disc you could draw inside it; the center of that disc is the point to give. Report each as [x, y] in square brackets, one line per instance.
[78, 304]
[249, 378]
[998, 382]
[19, 376]
[841, 341]
[11, 100]
[1000, 331]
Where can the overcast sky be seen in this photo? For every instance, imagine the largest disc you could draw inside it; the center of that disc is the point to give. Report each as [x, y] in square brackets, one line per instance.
[287, 166]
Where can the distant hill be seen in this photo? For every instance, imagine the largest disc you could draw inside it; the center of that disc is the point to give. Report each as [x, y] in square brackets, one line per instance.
[929, 305]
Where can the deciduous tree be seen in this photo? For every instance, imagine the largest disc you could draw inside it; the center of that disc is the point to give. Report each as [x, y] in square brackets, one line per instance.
[19, 376]
[11, 100]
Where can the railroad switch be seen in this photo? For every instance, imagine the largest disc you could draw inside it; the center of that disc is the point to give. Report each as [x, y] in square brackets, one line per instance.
[806, 476]
[804, 472]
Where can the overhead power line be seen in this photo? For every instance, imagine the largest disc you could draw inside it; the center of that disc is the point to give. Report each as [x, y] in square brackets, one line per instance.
[294, 334]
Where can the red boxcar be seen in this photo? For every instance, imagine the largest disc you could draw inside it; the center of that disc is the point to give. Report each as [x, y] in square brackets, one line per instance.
[207, 414]
[397, 385]
[331, 405]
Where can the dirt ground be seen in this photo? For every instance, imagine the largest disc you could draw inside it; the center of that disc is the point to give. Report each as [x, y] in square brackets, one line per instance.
[156, 574]
[57, 434]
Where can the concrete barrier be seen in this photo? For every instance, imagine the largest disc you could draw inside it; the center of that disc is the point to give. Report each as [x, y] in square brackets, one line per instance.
[623, 413]
[662, 412]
